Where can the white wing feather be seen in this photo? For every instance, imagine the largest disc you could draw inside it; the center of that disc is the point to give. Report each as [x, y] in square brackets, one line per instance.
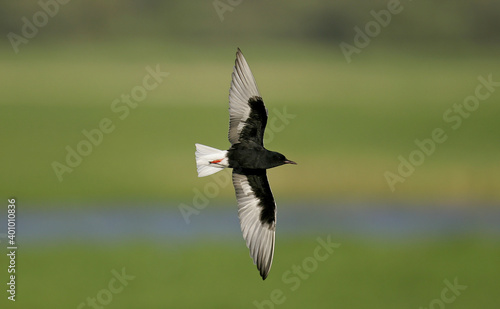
[259, 236]
[243, 87]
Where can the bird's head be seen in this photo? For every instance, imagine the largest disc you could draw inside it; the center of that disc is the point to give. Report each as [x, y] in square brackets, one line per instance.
[279, 159]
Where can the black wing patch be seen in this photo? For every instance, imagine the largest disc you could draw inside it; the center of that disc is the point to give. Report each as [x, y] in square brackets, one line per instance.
[254, 126]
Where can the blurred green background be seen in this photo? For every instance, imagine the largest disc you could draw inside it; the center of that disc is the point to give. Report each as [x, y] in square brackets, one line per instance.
[348, 124]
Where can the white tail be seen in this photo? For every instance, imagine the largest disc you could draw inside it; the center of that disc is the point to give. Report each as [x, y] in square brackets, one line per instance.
[210, 160]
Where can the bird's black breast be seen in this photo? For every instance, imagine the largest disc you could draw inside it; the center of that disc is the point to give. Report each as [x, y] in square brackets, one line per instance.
[247, 155]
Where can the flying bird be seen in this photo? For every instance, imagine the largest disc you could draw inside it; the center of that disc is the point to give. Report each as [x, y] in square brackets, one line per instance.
[249, 160]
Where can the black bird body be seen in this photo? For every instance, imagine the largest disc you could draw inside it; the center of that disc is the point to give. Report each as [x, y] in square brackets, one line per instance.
[249, 160]
[250, 155]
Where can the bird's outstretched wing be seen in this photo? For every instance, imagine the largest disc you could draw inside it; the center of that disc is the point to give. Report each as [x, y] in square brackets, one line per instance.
[247, 113]
[257, 212]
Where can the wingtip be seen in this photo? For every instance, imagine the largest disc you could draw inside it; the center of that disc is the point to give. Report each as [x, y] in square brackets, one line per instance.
[264, 276]
[239, 55]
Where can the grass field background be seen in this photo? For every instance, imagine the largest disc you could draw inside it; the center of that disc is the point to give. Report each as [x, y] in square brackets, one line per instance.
[347, 124]
[211, 274]
[350, 121]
